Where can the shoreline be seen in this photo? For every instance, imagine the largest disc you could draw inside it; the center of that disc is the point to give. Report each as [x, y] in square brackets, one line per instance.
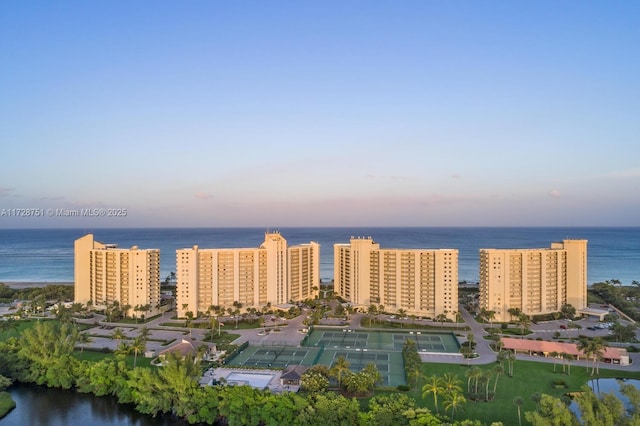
[34, 284]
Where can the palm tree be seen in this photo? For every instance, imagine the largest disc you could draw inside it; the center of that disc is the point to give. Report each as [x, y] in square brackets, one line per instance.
[524, 322]
[139, 345]
[511, 359]
[123, 349]
[554, 355]
[594, 349]
[453, 400]
[84, 339]
[568, 358]
[519, 402]
[145, 333]
[451, 383]
[414, 376]
[371, 371]
[487, 375]
[498, 371]
[340, 367]
[401, 314]
[118, 335]
[514, 312]
[434, 385]
[473, 373]
[371, 313]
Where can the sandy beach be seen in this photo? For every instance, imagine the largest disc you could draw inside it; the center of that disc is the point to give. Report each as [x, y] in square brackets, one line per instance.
[22, 284]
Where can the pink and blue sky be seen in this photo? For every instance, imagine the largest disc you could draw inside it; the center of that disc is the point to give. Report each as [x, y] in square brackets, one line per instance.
[325, 113]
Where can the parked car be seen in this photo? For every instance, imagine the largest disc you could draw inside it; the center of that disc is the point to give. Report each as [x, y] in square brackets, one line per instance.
[564, 327]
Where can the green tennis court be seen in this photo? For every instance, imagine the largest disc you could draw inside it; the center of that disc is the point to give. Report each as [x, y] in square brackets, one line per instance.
[382, 340]
[359, 348]
[274, 356]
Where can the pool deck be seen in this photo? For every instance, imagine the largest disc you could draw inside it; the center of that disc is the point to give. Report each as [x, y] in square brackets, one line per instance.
[224, 372]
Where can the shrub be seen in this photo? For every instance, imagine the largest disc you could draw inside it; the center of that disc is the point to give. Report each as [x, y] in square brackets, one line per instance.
[403, 388]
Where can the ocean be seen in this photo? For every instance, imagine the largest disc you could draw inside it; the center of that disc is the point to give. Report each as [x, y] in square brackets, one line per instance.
[46, 255]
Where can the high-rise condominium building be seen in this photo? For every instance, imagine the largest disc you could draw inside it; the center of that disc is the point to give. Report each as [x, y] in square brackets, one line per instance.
[421, 282]
[273, 273]
[105, 274]
[535, 281]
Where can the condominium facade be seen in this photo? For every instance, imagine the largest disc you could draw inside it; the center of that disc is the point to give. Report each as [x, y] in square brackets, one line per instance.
[421, 282]
[273, 273]
[535, 281]
[104, 273]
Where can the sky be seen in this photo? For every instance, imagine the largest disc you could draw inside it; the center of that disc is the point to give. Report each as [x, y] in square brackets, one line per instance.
[325, 113]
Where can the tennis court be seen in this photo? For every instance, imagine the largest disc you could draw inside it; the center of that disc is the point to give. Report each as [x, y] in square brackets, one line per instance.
[324, 346]
[274, 356]
[382, 340]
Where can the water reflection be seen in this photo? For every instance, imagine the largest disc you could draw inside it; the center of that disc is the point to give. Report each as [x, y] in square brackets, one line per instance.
[40, 406]
[602, 386]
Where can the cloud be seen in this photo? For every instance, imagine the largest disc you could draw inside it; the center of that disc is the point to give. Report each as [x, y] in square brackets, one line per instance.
[4, 192]
[554, 193]
[203, 195]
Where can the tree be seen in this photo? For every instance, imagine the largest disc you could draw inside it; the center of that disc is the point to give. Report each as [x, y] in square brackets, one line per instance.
[511, 360]
[524, 321]
[433, 386]
[568, 311]
[47, 347]
[8, 325]
[514, 312]
[84, 339]
[340, 368]
[118, 335]
[373, 374]
[473, 374]
[498, 371]
[519, 402]
[551, 412]
[594, 349]
[314, 382]
[388, 410]
[554, 355]
[402, 313]
[453, 401]
[139, 345]
[372, 310]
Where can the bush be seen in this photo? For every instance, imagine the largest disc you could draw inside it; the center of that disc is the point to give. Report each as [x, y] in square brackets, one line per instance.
[504, 326]
[403, 388]
[559, 383]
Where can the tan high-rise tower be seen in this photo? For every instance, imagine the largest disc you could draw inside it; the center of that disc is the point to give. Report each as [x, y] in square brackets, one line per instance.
[273, 273]
[420, 281]
[535, 281]
[105, 274]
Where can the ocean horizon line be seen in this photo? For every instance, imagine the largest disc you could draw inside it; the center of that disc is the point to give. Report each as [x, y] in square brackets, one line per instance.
[275, 228]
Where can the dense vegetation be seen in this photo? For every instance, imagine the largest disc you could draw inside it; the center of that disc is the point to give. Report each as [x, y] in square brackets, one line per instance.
[625, 298]
[45, 355]
[53, 292]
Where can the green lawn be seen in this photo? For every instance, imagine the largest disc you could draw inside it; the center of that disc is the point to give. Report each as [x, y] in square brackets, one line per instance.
[6, 404]
[529, 377]
[94, 356]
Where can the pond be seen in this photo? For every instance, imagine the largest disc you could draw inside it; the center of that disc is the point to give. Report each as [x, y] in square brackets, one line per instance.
[41, 406]
[602, 386]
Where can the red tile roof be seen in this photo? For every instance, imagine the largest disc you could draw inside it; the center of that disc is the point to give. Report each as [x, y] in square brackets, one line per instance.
[559, 347]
